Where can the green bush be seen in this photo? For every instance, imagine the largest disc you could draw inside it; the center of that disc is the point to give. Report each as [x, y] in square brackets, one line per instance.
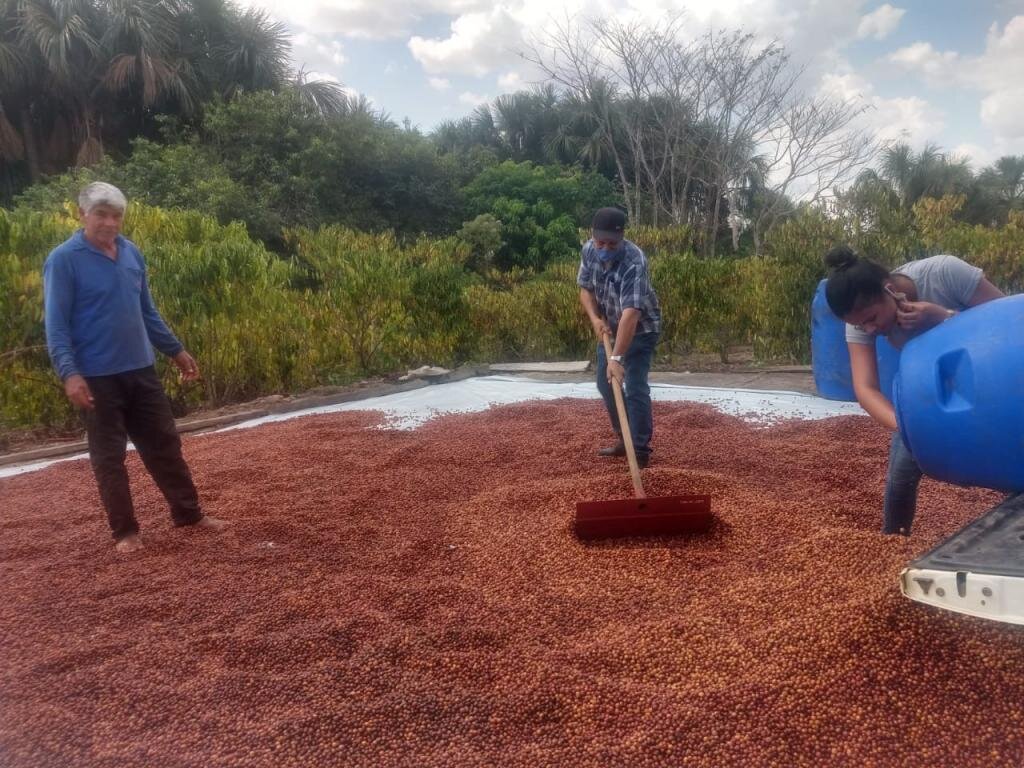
[439, 312]
[540, 209]
[264, 159]
[668, 241]
[998, 251]
[701, 304]
[779, 287]
[535, 319]
[349, 303]
[29, 394]
[360, 313]
[482, 236]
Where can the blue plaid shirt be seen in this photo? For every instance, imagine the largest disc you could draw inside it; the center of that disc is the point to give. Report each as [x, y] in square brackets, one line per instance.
[624, 284]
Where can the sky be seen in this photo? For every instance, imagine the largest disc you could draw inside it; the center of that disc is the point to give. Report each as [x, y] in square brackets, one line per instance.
[947, 72]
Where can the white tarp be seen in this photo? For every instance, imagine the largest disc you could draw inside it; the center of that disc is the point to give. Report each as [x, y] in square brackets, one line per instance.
[407, 410]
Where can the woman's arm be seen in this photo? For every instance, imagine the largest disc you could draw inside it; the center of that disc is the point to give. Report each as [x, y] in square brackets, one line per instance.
[864, 367]
[984, 292]
[922, 315]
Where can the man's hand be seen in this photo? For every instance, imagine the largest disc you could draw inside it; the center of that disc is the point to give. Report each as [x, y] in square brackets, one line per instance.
[77, 390]
[917, 315]
[616, 372]
[601, 328]
[187, 367]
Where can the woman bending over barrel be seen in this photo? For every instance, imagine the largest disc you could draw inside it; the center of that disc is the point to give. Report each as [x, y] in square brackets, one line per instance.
[898, 305]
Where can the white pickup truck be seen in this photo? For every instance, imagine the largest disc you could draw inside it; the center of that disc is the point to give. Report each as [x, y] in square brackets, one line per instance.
[979, 570]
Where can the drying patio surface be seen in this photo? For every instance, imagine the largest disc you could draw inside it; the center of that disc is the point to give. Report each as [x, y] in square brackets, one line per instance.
[416, 598]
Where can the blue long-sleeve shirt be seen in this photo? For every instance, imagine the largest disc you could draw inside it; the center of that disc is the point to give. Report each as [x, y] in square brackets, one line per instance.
[100, 318]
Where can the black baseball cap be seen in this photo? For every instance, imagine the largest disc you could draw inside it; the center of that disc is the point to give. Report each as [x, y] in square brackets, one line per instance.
[609, 224]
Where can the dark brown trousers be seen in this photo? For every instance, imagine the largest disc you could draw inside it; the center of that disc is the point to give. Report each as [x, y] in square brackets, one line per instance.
[133, 405]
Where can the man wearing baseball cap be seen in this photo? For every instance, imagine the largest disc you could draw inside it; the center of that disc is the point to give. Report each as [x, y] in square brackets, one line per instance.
[616, 292]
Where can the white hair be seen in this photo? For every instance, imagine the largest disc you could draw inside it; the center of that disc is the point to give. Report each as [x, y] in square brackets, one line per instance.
[101, 193]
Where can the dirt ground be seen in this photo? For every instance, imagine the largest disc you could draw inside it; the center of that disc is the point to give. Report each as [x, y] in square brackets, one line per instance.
[417, 598]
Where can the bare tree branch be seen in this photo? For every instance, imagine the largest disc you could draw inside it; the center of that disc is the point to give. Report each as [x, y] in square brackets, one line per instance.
[703, 130]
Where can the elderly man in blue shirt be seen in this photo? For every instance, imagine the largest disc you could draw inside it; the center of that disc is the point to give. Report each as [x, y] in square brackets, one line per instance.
[101, 327]
[616, 292]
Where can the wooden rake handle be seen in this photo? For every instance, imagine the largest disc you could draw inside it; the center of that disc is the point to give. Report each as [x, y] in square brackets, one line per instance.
[627, 436]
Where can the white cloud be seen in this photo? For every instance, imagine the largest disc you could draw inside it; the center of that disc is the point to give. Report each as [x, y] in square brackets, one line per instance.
[313, 76]
[1003, 112]
[317, 53]
[997, 73]
[473, 99]
[439, 83]
[978, 156]
[812, 31]
[332, 50]
[912, 120]
[923, 58]
[880, 23]
[787, 20]
[370, 19]
[511, 81]
[487, 40]
[486, 37]
[478, 44]
[1000, 67]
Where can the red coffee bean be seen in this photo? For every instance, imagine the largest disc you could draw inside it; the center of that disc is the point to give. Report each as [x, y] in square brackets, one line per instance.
[417, 597]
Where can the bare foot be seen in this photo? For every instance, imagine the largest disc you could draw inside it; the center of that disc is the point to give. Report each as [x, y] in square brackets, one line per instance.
[130, 543]
[213, 523]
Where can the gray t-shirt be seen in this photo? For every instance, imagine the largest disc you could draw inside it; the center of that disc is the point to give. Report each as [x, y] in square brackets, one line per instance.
[943, 280]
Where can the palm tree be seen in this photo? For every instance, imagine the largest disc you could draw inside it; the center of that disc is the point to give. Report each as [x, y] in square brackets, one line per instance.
[532, 125]
[77, 75]
[513, 120]
[750, 199]
[56, 46]
[1006, 179]
[997, 190]
[324, 98]
[484, 128]
[360, 106]
[144, 56]
[12, 70]
[898, 167]
[253, 55]
[929, 173]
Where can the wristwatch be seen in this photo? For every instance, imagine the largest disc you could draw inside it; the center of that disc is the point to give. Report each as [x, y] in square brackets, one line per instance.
[616, 358]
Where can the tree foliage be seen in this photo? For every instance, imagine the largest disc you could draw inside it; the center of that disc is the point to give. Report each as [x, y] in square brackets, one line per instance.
[263, 159]
[540, 209]
[880, 205]
[80, 79]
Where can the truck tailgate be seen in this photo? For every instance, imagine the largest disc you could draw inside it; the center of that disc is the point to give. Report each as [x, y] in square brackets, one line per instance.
[979, 570]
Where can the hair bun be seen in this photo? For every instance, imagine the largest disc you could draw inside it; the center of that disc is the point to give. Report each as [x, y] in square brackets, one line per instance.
[841, 257]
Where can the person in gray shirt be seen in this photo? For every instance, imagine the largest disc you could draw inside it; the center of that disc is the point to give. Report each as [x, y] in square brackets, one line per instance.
[899, 305]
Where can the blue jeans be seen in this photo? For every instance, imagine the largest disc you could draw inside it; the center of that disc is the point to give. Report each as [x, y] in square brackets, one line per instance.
[900, 489]
[637, 362]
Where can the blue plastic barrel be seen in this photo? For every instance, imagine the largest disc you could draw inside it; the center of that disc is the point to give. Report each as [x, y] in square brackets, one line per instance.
[888, 359]
[830, 360]
[830, 357]
[959, 397]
